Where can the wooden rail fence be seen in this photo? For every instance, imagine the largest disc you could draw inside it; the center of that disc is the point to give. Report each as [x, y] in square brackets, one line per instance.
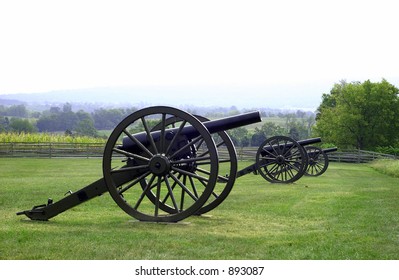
[357, 156]
[52, 150]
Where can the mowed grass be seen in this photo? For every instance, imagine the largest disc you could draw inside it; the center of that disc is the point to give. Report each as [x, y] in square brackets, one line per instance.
[350, 212]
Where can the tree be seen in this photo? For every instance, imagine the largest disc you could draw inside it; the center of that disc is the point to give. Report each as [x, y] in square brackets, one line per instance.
[86, 127]
[61, 120]
[107, 118]
[17, 111]
[48, 123]
[257, 138]
[239, 136]
[4, 124]
[270, 129]
[361, 115]
[21, 125]
[267, 130]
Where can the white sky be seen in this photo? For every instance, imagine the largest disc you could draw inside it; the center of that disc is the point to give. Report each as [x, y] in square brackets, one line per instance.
[52, 45]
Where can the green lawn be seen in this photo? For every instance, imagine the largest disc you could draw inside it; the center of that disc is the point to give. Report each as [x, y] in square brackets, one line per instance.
[350, 212]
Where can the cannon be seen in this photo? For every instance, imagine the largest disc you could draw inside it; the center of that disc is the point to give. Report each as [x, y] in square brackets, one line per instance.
[161, 164]
[280, 159]
[317, 160]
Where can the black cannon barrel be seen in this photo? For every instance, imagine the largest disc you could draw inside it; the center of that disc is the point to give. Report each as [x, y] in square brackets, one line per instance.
[233, 122]
[309, 141]
[330, 150]
[191, 132]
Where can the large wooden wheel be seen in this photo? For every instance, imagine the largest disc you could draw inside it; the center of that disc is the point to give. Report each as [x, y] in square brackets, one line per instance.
[317, 161]
[280, 159]
[227, 166]
[165, 159]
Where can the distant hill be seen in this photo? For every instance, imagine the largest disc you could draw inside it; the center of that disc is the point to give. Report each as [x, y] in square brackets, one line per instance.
[271, 97]
[10, 102]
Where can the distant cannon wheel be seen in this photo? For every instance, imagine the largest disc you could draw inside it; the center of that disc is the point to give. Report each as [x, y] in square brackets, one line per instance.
[317, 161]
[281, 159]
[227, 167]
[165, 160]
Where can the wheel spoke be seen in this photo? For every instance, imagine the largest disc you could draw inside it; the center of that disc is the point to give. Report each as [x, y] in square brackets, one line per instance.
[319, 166]
[146, 189]
[137, 142]
[147, 130]
[193, 186]
[295, 154]
[183, 193]
[156, 212]
[183, 187]
[170, 193]
[172, 188]
[134, 182]
[292, 166]
[175, 137]
[200, 143]
[273, 169]
[132, 168]
[195, 140]
[274, 148]
[207, 151]
[270, 153]
[317, 154]
[290, 171]
[220, 177]
[286, 149]
[190, 160]
[130, 155]
[280, 173]
[162, 140]
[215, 195]
[196, 176]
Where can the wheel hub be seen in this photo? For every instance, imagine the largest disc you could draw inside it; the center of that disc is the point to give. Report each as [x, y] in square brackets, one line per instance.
[159, 165]
[280, 160]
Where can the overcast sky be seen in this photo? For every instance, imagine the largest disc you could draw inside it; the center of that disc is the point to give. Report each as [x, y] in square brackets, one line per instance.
[53, 45]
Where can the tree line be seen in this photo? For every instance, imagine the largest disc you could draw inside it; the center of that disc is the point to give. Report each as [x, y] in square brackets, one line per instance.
[361, 115]
[17, 118]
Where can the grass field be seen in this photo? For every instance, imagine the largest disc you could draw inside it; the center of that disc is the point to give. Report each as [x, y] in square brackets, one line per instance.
[351, 212]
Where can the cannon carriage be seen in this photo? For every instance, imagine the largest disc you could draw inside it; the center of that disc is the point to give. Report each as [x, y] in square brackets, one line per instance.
[161, 164]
